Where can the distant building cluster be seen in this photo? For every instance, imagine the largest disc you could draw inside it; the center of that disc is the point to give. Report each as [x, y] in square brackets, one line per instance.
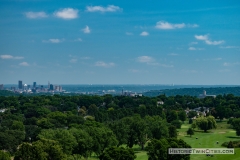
[131, 94]
[205, 95]
[25, 88]
[1, 87]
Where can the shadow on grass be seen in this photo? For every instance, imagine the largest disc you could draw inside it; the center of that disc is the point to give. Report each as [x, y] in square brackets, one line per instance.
[237, 137]
[201, 131]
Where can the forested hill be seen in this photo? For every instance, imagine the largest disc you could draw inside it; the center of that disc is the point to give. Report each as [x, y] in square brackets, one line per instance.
[195, 91]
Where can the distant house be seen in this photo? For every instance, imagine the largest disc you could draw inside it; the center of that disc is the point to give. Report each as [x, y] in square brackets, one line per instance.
[2, 110]
[160, 102]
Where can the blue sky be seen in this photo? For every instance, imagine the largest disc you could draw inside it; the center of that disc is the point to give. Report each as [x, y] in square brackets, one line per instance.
[120, 42]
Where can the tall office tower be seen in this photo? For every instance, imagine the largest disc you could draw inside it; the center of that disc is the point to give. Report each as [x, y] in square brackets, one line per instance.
[20, 85]
[34, 84]
[1, 86]
[48, 85]
[51, 87]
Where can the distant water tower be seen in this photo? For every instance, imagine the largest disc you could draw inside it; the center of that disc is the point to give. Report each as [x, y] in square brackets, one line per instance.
[204, 93]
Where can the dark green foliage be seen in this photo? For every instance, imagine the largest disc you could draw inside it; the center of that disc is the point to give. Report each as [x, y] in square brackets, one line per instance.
[206, 123]
[192, 114]
[172, 131]
[230, 145]
[40, 150]
[62, 136]
[158, 149]
[190, 121]
[182, 115]
[85, 142]
[236, 125]
[118, 153]
[176, 123]
[190, 132]
[4, 155]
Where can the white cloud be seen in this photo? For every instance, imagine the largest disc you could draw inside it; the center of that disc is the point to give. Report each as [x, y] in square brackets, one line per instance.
[166, 25]
[24, 64]
[207, 40]
[103, 64]
[145, 59]
[229, 47]
[73, 60]
[214, 42]
[86, 30]
[67, 13]
[144, 33]
[53, 40]
[201, 37]
[109, 8]
[34, 15]
[129, 33]
[194, 49]
[226, 64]
[10, 57]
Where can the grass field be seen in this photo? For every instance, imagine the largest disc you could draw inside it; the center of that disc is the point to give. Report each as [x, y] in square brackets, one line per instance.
[223, 133]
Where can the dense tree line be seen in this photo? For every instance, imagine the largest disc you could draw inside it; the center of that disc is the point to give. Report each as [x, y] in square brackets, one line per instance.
[78, 126]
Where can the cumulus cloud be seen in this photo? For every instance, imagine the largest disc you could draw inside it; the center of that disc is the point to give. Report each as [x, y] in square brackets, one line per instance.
[10, 57]
[144, 33]
[67, 13]
[207, 40]
[201, 37]
[166, 25]
[194, 49]
[53, 40]
[214, 42]
[109, 8]
[24, 64]
[34, 15]
[145, 59]
[86, 30]
[103, 64]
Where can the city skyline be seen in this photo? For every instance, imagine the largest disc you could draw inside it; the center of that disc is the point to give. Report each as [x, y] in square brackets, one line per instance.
[120, 42]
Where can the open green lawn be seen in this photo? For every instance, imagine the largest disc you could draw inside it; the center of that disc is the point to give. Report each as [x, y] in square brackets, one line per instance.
[205, 140]
[208, 140]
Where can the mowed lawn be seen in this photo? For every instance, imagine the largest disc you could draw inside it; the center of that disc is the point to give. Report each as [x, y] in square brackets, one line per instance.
[223, 133]
[205, 140]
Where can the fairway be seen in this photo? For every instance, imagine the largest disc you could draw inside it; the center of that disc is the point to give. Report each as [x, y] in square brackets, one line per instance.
[223, 133]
